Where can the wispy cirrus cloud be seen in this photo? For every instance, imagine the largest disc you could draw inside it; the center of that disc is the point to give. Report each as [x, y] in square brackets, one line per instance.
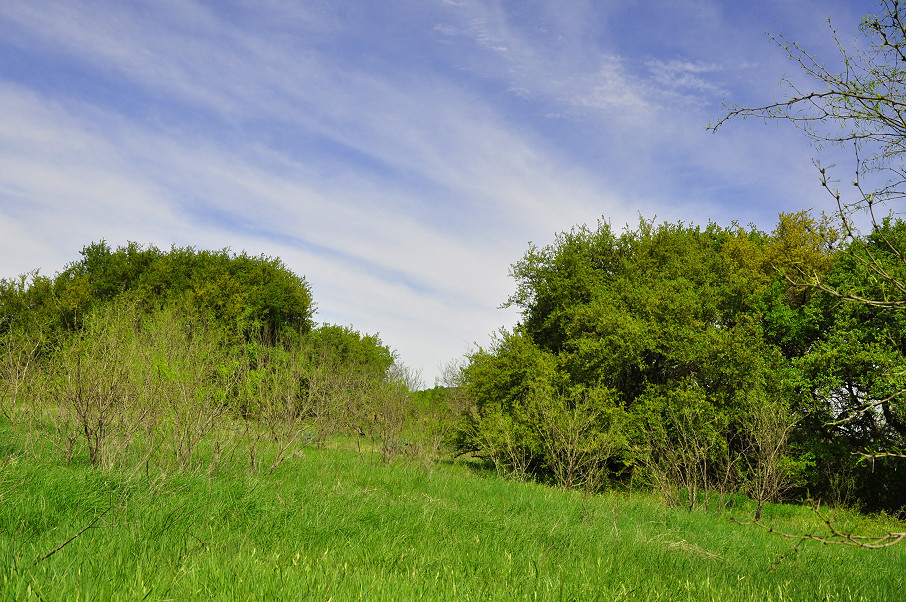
[688, 78]
[400, 156]
[405, 188]
[638, 84]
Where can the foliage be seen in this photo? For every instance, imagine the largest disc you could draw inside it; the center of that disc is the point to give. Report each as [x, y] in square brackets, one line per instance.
[631, 322]
[138, 348]
[18, 351]
[502, 381]
[580, 435]
[239, 291]
[361, 353]
[853, 372]
[725, 373]
[854, 369]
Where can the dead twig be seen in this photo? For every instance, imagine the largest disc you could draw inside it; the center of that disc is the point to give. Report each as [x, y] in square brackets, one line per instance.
[71, 539]
[834, 536]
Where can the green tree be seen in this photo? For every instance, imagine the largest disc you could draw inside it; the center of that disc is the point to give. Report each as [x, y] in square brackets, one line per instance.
[855, 372]
[861, 103]
[502, 381]
[853, 369]
[630, 324]
[239, 291]
[345, 368]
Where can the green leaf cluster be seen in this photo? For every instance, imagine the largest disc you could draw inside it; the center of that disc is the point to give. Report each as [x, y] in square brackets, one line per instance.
[238, 291]
[706, 346]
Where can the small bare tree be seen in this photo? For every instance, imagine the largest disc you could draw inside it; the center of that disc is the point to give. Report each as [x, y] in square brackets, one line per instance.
[497, 439]
[94, 385]
[580, 436]
[393, 407]
[685, 448]
[389, 408]
[18, 352]
[324, 383]
[196, 377]
[767, 469]
[273, 399]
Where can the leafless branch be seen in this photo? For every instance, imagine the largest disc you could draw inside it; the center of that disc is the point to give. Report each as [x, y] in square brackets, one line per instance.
[71, 539]
[834, 536]
[865, 408]
[878, 455]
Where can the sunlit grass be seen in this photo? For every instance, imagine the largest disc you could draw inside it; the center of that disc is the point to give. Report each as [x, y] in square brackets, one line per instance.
[333, 524]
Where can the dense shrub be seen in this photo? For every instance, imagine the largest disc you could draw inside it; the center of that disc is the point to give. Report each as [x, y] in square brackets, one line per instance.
[714, 362]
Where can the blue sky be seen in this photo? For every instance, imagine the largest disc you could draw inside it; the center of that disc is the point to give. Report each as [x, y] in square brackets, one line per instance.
[400, 155]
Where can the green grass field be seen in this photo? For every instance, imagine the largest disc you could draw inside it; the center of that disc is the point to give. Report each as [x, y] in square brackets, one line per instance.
[333, 525]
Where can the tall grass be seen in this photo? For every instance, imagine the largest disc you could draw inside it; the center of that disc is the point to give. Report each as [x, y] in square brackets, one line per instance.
[326, 525]
[158, 459]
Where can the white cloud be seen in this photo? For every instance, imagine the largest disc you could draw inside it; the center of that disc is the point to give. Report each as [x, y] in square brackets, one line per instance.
[403, 192]
[686, 77]
[86, 174]
[611, 90]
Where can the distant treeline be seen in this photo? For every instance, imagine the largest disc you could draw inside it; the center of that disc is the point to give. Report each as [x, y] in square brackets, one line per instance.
[238, 291]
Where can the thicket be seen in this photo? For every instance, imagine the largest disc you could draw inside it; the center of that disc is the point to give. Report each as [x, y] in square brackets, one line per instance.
[693, 361]
[684, 359]
[186, 359]
[237, 291]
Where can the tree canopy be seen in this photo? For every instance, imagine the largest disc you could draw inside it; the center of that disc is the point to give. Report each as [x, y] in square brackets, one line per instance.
[238, 290]
[670, 337]
[858, 101]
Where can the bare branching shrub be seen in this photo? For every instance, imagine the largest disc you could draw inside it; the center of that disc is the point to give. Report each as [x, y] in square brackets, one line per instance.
[684, 449]
[18, 351]
[440, 411]
[93, 382]
[273, 398]
[580, 436]
[324, 383]
[345, 406]
[768, 470]
[388, 407]
[149, 390]
[196, 377]
[452, 378]
[497, 439]
[367, 406]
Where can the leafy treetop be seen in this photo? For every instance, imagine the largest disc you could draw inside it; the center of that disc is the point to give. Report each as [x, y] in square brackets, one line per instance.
[239, 290]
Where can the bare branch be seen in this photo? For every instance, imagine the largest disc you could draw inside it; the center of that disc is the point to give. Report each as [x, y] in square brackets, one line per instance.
[865, 408]
[878, 455]
[71, 539]
[833, 536]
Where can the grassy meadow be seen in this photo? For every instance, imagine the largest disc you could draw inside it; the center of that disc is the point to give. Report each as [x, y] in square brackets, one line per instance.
[338, 524]
[163, 439]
